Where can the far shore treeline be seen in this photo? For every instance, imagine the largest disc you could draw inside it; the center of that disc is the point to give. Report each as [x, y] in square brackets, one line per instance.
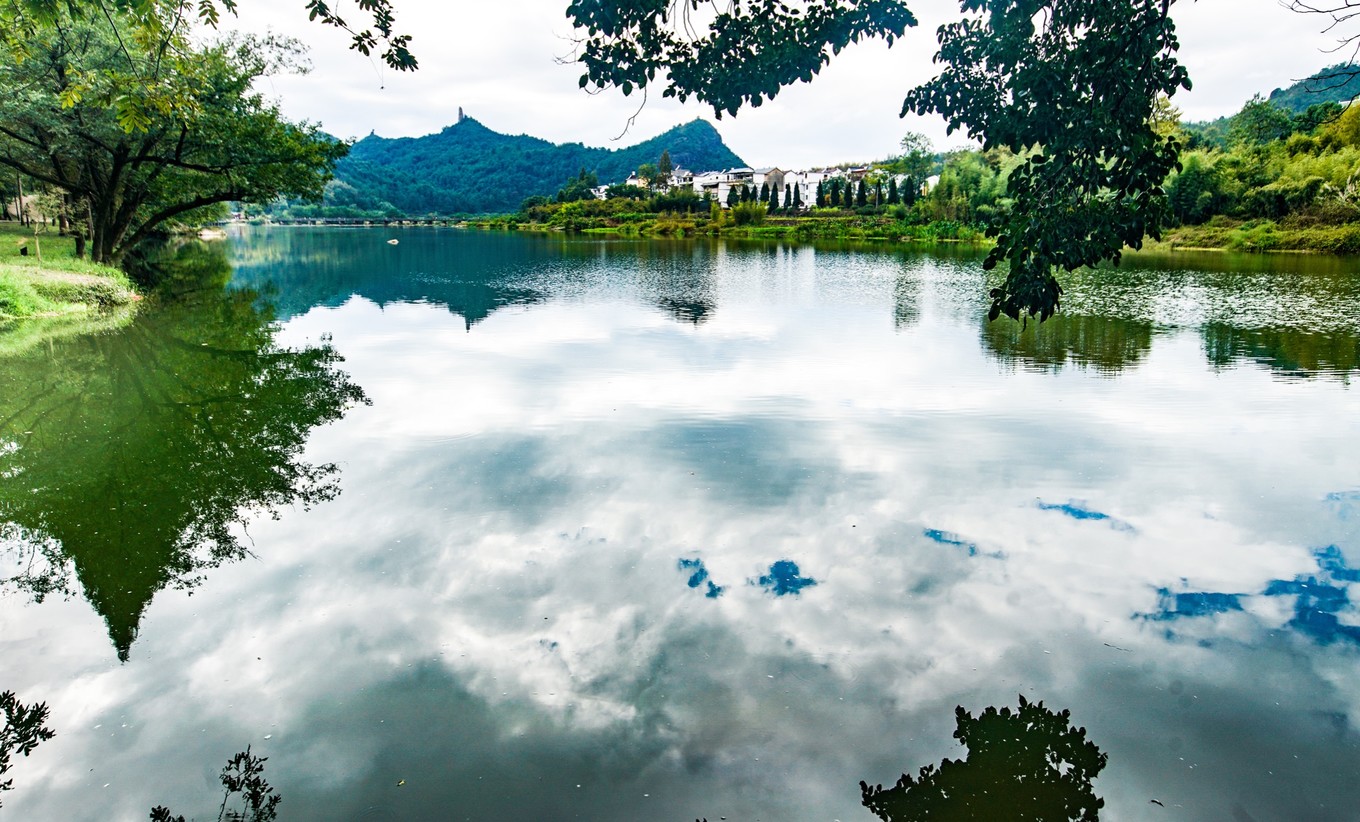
[1283, 173]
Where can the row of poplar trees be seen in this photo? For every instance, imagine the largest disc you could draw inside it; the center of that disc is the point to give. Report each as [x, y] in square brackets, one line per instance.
[833, 193]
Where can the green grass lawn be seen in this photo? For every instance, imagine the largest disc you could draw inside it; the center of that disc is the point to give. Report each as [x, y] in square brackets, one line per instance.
[58, 283]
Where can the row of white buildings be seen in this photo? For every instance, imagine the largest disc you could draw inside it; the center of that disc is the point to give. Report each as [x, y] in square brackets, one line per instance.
[718, 184]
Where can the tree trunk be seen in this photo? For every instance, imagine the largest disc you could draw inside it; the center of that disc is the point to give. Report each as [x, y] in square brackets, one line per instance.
[82, 229]
[107, 232]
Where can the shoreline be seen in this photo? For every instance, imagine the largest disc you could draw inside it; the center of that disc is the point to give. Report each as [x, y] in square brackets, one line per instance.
[57, 296]
[1190, 239]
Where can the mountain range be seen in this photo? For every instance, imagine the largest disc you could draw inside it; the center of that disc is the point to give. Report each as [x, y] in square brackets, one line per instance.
[468, 168]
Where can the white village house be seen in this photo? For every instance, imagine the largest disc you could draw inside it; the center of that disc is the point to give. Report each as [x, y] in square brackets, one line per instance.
[717, 185]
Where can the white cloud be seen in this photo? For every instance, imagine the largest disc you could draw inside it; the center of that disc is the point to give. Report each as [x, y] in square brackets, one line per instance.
[497, 61]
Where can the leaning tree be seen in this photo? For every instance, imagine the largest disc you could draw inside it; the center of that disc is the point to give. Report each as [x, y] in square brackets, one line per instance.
[129, 171]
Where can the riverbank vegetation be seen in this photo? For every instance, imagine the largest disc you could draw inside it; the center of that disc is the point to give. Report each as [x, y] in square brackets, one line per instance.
[1265, 179]
[686, 215]
[1269, 178]
[50, 281]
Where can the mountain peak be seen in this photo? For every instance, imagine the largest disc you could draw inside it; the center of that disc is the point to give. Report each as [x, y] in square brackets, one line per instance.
[469, 168]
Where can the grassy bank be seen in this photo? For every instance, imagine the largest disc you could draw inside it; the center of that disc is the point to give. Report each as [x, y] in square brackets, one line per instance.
[827, 225]
[58, 284]
[1223, 233]
[1219, 233]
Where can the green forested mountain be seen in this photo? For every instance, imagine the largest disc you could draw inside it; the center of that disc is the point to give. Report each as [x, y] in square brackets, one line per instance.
[468, 168]
[1334, 84]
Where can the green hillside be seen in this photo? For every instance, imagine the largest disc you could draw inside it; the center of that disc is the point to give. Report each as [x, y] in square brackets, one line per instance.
[468, 168]
[1299, 108]
[1334, 84]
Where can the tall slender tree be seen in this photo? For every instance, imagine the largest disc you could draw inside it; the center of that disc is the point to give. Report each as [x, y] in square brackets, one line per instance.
[664, 169]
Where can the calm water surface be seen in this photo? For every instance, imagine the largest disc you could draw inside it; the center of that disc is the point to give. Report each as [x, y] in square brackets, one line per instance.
[501, 527]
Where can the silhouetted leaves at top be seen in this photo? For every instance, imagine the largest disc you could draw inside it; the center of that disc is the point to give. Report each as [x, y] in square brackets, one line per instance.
[1028, 765]
[23, 731]
[130, 459]
[743, 55]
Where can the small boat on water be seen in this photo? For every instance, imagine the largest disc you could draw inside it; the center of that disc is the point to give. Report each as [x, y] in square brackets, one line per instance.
[392, 242]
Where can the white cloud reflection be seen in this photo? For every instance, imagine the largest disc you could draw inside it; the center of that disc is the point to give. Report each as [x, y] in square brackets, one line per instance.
[493, 610]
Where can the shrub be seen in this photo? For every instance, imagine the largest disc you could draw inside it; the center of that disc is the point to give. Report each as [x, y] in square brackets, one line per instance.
[748, 213]
[679, 200]
[1255, 237]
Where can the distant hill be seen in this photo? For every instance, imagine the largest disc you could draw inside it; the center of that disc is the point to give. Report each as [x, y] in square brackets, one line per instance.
[468, 168]
[1334, 84]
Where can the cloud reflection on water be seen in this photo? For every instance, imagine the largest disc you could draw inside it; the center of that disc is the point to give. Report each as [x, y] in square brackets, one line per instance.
[493, 610]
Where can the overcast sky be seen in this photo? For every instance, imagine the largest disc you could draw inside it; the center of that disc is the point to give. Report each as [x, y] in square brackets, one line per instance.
[497, 61]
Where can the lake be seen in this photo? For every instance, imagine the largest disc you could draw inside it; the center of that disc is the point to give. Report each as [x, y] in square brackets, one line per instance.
[496, 526]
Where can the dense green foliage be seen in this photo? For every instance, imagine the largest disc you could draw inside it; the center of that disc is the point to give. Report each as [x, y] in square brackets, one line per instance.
[469, 169]
[1259, 180]
[1262, 179]
[60, 125]
[579, 187]
[1274, 171]
[1064, 83]
[162, 29]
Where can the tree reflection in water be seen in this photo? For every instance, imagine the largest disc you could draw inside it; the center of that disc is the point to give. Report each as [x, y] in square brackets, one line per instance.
[242, 781]
[1028, 765]
[130, 459]
[25, 728]
[1107, 344]
[1292, 353]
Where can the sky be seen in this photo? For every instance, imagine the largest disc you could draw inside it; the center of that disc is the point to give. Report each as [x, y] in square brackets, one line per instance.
[499, 63]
